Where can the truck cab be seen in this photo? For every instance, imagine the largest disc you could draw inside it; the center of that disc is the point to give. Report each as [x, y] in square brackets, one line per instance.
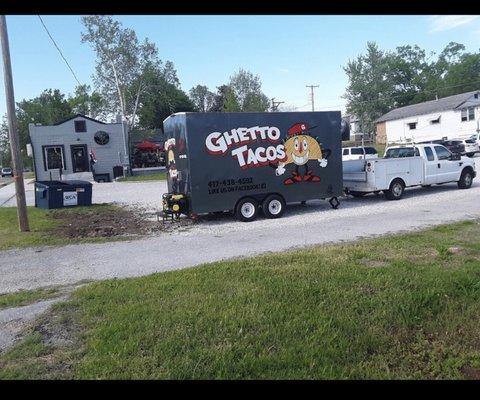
[440, 164]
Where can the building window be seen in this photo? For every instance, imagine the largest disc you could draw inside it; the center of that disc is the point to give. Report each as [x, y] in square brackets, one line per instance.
[412, 125]
[468, 114]
[54, 158]
[80, 126]
[435, 121]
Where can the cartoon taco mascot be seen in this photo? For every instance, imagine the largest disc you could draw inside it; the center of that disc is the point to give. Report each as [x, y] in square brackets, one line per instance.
[171, 165]
[300, 148]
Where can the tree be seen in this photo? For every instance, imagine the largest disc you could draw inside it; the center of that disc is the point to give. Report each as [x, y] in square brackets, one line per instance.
[247, 89]
[161, 98]
[121, 63]
[5, 156]
[463, 76]
[88, 103]
[369, 91]
[225, 100]
[48, 108]
[380, 81]
[202, 98]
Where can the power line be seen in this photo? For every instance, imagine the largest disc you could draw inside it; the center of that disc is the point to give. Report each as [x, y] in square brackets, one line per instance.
[60, 51]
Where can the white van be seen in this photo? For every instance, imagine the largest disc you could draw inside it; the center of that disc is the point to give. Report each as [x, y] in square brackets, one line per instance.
[359, 153]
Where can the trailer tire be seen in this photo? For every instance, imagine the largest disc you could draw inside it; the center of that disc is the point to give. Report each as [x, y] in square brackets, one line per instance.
[466, 179]
[246, 209]
[273, 206]
[395, 191]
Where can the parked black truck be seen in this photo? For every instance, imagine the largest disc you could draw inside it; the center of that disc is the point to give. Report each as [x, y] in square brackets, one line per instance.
[247, 162]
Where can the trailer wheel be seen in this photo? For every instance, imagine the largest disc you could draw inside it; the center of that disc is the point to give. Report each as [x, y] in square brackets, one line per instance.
[395, 191]
[466, 179]
[246, 209]
[273, 206]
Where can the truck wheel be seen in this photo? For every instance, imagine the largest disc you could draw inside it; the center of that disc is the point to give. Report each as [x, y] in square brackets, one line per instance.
[395, 191]
[466, 180]
[273, 206]
[247, 209]
[470, 155]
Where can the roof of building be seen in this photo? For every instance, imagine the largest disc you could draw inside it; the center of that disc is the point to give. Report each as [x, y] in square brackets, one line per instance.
[427, 107]
[79, 115]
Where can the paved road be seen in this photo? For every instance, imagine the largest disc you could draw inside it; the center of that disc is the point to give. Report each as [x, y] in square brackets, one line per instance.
[224, 238]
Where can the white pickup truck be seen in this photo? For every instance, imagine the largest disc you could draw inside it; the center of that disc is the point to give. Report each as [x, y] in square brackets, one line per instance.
[405, 166]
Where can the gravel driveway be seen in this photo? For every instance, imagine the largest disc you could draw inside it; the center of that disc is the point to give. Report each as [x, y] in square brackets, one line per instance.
[145, 194]
[223, 238]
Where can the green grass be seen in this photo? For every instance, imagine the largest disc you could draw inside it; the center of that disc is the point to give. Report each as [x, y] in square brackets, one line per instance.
[41, 227]
[24, 297]
[395, 307]
[160, 176]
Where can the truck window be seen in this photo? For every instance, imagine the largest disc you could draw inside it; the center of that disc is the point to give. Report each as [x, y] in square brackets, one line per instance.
[357, 151]
[429, 153]
[370, 150]
[345, 152]
[442, 153]
[401, 152]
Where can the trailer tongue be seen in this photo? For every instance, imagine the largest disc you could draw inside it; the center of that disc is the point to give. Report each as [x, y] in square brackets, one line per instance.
[251, 162]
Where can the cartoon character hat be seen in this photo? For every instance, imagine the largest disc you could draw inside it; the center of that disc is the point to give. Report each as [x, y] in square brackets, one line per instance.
[297, 129]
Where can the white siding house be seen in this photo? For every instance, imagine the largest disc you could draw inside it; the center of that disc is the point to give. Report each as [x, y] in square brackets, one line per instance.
[450, 117]
[67, 149]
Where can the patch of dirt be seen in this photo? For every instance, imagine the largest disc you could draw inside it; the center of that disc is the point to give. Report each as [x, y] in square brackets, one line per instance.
[59, 328]
[373, 263]
[113, 222]
[470, 373]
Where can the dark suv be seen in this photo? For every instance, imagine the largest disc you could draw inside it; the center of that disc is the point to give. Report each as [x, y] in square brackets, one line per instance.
[455, 146]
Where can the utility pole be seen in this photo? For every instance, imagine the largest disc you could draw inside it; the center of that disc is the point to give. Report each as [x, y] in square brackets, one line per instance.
[12, 130]
[312, 95]
[275, 104]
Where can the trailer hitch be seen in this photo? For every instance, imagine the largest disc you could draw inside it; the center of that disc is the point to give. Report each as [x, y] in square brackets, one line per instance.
[334, 202]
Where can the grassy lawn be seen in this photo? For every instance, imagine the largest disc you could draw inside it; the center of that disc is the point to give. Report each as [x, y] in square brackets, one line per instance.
[42, 226]
[24, 297]
[160, 176]
[395, 307]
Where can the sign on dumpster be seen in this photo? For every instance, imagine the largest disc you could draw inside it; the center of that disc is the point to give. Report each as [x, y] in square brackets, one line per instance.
[70, 198]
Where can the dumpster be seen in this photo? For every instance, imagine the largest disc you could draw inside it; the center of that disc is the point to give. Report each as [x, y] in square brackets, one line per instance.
[246, 162]
[58, 194]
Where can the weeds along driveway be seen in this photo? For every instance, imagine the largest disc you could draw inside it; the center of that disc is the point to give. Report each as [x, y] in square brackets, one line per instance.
[223, 238]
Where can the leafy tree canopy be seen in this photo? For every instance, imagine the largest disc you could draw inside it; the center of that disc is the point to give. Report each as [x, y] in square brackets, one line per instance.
[382, 80]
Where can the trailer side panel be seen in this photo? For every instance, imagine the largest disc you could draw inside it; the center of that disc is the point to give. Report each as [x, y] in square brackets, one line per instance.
[233, 155]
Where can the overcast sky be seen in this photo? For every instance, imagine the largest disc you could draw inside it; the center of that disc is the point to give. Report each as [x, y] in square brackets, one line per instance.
[288, 52]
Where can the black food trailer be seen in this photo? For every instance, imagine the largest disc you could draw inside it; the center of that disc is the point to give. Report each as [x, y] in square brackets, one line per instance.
[247, 162]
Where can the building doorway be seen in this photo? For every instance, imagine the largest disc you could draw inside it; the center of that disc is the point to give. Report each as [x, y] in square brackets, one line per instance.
[80, 158]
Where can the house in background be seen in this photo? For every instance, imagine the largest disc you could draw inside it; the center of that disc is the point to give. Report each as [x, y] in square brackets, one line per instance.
[356, 133]
[450, 117]
[78, 148]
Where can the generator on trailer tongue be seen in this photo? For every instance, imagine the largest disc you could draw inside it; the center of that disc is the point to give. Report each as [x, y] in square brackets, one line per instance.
[247, 162]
